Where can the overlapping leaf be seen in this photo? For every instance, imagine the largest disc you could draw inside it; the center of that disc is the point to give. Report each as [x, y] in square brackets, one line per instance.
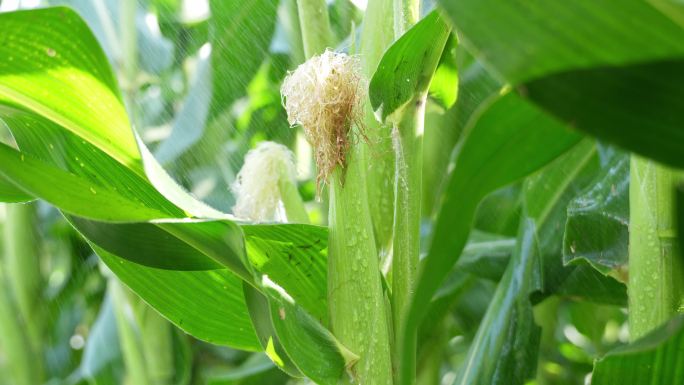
[191, 271]
[653, 359]
[54, 67]
[608, 78]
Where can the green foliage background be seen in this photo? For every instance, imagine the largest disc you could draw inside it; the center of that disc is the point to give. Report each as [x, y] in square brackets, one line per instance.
[125, 124]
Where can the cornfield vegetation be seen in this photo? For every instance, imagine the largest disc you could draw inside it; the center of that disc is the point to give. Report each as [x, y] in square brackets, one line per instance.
[390, 192]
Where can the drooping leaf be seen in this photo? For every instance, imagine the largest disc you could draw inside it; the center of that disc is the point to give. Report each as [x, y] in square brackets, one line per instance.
[654, 359]
[290, 268]
[607, 78]
[521, 40]
[11, 193]
[206, 304]
[145, 244]
[74, 195]
[55, 67]
[260, 312]
[294, 256]
[314, 349]
[58, 166]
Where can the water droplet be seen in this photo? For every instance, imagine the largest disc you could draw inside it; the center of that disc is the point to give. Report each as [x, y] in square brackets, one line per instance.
[92, 190]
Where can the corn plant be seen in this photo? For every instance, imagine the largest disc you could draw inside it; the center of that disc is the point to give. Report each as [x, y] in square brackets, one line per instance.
[494, 200]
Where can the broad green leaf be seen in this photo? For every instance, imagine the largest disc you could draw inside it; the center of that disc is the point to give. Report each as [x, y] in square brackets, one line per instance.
[654, 359]
[608, 78]
[209, 305]
[69, 192]
[11, 193]
[260, 312]
[69, 83]
[315, 350]
[290, 268]
[506, 140]
[553, 189]
[523, 40]
[145, 244]
[294, 256]
[596, 229]
[76, 176]
[611, 103]
[54, 67]
[406, 68]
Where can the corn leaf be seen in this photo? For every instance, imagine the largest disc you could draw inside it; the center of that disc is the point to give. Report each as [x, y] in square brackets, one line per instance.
[609, 78]
[654, 359]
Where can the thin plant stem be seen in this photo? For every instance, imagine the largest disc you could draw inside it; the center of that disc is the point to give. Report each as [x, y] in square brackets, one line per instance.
[129, 53]
[157, 341]
[376, 37]
[408, 147]
[656, 274]
[315, 26]
[292, 201]
[24, 366]
[407, 138]
[129, 335]
[14, 340]
[406, 14]
[293, 30]
[22, 260]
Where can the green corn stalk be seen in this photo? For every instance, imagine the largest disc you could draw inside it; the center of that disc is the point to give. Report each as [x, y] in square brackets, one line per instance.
[20, 322]
[22, 260]
[656, 274]
[407, 138]
[129, 334]
[357, 302]
[377, 35]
